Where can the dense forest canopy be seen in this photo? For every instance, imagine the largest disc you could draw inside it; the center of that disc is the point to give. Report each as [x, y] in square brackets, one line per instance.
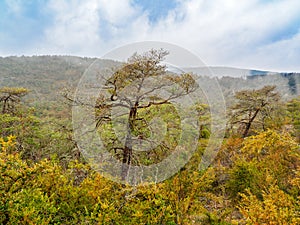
[44, 178]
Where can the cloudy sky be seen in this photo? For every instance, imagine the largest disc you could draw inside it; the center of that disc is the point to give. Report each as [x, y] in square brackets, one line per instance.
[257, 34]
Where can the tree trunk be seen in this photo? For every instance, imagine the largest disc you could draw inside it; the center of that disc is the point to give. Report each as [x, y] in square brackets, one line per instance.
[246, 131]
[248, 125]
[127, 152]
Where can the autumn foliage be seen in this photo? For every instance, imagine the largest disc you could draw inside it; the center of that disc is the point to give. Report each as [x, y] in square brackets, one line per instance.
[255, 178]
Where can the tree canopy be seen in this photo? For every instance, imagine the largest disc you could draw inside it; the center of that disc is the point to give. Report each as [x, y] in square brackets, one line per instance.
[135, 88]
[253, 106]
[10, 97]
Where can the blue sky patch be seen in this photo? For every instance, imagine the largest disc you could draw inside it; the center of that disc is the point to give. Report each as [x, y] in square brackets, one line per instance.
[157, 9]
[286, 32]
[25, 26]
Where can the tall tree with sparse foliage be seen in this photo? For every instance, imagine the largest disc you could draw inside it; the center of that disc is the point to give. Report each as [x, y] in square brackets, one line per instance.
[253, 106]
[133, 87]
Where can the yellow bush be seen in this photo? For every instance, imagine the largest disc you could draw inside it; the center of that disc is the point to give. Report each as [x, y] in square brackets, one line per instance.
[277, 207]
[6, 143]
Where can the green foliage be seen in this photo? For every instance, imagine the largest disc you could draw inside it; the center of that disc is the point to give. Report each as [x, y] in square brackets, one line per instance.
[253, 106]
[268, 154]
[46, 193]
[243, 175]
[31, 207]
[276, 153]
[42, 193]
[133, 91]
[254, 180]
[37, 137]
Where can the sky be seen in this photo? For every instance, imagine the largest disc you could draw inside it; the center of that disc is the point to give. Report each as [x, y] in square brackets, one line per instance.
[253, 34]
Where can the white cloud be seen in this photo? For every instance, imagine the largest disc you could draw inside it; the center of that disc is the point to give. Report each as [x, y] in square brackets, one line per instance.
[233, 33]
[75, 27]
[283, 56]
[91, 27]
[116, 12]
[225, 32]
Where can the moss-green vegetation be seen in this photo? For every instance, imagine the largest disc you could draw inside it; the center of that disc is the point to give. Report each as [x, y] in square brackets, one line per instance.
[45, 180]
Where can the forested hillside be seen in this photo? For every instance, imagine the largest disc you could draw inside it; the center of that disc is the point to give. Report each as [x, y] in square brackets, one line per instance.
[46, 178]
[45, 76]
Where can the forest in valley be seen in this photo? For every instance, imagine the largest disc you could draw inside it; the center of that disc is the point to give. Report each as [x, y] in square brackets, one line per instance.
[45, 178]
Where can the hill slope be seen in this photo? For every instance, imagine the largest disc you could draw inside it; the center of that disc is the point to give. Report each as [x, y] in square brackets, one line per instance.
[46, 76]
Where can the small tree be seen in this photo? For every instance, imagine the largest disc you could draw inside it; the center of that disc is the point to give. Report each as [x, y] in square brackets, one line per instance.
[134, 87]
[10, 97]
[253, 104]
